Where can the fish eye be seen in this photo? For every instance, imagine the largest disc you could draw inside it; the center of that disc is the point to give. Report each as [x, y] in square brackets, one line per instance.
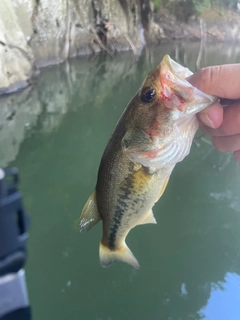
[148, 94]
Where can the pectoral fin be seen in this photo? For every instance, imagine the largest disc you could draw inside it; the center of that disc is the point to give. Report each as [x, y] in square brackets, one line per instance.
[90, 215]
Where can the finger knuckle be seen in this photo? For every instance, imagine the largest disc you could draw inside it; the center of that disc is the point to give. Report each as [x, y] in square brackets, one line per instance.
[218, 144]
[224, 129]
[209, 75]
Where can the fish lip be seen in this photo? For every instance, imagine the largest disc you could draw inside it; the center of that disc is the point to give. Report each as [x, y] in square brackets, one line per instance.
[176, 90]
[178, 93]
[176, 68]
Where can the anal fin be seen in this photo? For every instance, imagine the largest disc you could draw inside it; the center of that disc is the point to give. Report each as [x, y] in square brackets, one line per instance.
[90, 215]
[148, 218]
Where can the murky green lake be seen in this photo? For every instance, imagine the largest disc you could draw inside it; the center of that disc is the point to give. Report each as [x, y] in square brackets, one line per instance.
[55, 133]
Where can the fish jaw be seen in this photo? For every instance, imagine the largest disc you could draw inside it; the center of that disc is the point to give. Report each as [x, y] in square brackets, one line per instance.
[177, 93]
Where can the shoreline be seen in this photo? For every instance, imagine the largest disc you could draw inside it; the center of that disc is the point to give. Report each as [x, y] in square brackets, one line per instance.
[37, 37]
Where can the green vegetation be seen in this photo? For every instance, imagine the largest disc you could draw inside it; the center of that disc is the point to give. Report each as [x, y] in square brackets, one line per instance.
[184, 9]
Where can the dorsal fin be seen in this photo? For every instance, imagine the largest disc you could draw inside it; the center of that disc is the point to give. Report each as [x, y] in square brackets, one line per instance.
[90, 215]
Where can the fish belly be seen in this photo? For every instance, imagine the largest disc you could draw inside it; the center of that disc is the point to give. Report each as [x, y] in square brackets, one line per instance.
[125, 202]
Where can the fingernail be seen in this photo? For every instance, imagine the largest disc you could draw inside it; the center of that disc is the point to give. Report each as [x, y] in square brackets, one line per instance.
[206, 120]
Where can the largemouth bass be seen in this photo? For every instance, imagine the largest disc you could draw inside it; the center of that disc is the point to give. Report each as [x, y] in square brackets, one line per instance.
[154, 132]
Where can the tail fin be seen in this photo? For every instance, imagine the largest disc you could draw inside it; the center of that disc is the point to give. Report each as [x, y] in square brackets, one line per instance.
[107, 256]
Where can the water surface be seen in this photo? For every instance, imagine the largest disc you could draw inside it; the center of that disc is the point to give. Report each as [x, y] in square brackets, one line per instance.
[55, 133]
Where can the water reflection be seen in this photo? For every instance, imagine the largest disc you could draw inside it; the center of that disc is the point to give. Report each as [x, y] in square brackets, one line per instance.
[234, 200]
[87, 82]
[224, 296]
[17, 114]
[61, 126]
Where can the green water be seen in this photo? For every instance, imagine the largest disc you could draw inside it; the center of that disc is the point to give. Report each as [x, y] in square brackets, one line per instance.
[190, 260]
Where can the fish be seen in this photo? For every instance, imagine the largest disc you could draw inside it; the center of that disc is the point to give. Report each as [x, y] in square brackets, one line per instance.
[154, 132]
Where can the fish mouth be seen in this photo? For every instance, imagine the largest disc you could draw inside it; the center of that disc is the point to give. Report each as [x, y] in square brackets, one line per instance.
[177, 92]
[177, 69]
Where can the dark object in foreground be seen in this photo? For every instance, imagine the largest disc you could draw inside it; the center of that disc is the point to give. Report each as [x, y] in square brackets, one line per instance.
[14, 304]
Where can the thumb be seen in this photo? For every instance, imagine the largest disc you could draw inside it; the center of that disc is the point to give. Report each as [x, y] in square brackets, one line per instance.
[212, 116]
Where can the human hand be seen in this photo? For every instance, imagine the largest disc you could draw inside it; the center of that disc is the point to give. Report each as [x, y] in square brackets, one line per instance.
[223, 124]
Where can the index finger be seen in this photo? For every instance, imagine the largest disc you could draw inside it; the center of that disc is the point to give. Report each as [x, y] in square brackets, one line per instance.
[222, 81]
